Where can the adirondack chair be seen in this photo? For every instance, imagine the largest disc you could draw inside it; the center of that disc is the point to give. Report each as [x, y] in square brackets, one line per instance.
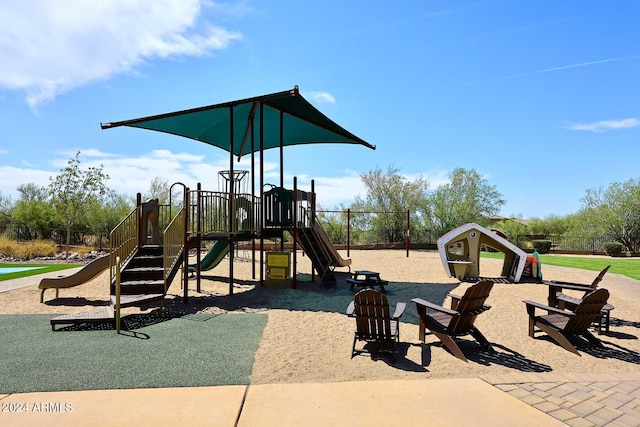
[374, 323]
[568, 302]
[573, 301]
[447, 324]
[560, 324]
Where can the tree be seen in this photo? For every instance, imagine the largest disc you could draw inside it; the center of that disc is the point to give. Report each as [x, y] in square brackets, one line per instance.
[616, 211]
[512, 228]
[104, 215]
[6, 207]
[73, 190]
[34, 212]
[334, 223]
[32, 192]
[391, 192]
[553, 225]
[158, 189]
[468, 197]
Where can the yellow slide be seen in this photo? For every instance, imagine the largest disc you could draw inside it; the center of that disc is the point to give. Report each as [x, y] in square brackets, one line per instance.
[88, 272]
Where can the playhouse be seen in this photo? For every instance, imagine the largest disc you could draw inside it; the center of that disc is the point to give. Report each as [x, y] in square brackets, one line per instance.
[460, 253]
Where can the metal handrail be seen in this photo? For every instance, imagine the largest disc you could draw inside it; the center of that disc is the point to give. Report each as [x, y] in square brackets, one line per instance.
[210, 212]
[123, 241]
[173, 244]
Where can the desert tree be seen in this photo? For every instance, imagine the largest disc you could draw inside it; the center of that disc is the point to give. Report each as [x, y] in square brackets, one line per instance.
[467, 197]
[392, 192]
[614, 211]
[34, 212]
[73, 190]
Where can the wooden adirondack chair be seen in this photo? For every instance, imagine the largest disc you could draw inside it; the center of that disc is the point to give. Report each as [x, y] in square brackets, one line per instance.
[374, 323]
[446, 324]
[573, 301]
[569, 302]
[560, 324]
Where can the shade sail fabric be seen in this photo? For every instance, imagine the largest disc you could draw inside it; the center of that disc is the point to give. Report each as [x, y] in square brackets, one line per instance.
[287, 119]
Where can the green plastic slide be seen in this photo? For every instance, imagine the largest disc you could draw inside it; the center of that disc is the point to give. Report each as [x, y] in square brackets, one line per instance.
[213, 257]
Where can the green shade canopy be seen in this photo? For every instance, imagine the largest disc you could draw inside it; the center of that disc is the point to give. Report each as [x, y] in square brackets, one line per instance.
[287, 119]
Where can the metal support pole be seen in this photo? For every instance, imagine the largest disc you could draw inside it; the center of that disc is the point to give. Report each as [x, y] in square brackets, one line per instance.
[185, 255]
[348, 233]
[313, 217]
[294, 281]
[254, 214]
[117, 313]
[262, 206]
[407, 238]
[139, 236]
[199, 237]
[232, 211]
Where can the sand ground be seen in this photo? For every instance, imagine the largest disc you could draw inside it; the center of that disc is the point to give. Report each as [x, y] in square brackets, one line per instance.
[308, 337]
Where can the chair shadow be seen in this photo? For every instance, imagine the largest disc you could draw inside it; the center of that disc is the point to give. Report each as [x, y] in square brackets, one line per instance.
[611, 350]
[608, 350]
[385, 355]
[618, 335]
[501, 355]
[621, 322]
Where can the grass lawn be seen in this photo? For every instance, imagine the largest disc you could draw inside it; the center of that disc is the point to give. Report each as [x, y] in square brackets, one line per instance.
[629, 267]
[47, 268]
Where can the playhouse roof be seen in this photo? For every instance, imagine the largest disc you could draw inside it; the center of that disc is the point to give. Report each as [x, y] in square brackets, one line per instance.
[286, 118]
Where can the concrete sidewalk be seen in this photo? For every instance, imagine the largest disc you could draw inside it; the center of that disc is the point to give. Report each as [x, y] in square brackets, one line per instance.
[522, 399]
[34, 280]
[440, 402]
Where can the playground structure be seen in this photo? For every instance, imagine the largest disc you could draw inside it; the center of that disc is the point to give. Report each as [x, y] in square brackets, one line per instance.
[460, 253]
[143, 265]
[151, 245]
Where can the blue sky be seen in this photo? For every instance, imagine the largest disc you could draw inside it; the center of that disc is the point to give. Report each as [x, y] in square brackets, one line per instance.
[542, 97]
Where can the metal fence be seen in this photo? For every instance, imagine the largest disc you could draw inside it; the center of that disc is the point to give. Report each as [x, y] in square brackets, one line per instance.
[20, 233]
[567, 243]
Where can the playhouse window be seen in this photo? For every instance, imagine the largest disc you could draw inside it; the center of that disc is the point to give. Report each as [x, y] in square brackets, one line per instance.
[456, 248]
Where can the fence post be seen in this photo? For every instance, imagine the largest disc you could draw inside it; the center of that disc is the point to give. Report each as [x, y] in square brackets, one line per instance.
[348, 232]
[407, 239]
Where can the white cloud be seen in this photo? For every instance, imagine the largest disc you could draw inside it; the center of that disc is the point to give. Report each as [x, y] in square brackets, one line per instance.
[606, 125]
[3, 152]
[332, 191]
[11, 177]
[130, 175]
[48, 47]
[322, 97]
[91, 152]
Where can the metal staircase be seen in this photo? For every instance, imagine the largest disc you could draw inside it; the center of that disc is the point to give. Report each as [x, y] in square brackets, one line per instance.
[148, 268]
[142, 279]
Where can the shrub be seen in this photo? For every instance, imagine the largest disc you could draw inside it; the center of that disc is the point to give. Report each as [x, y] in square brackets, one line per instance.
[542, 246]
[27, 250]
[612, 248]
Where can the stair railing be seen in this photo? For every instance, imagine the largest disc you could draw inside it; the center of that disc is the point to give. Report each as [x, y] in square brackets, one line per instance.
[123, 241]
[173, 244]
